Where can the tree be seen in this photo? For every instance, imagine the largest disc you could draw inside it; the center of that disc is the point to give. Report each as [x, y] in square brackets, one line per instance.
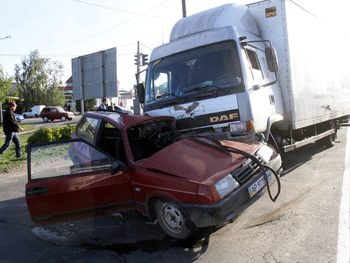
[88, 104]
[5, 85]
[39, 81]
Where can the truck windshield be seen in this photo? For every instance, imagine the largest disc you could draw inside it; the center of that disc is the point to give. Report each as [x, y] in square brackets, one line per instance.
[212, 67]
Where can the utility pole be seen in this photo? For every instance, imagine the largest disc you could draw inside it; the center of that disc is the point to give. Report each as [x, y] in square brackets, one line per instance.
[137, 110]
[183, 8]
[1, 103]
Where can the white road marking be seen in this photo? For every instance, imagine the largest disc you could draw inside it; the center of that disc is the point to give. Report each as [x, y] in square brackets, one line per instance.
[343, 228]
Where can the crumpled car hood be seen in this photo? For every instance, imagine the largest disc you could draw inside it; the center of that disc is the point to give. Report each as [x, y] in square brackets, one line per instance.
[193, 161]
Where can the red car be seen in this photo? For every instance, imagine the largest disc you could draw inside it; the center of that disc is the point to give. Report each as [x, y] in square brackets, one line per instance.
[118, 161]
[55, 113]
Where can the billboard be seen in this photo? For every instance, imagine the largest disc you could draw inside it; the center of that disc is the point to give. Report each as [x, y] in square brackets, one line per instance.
[95, 75]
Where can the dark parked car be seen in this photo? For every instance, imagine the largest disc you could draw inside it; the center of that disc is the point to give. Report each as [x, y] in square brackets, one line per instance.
[118, 162]
[55, 113]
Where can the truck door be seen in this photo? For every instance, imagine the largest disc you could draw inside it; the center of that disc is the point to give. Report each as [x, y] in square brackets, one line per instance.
[62, 185]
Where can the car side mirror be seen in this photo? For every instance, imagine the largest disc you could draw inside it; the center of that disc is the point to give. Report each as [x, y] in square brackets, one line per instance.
[118, 166]
[271, 58]
[140, 89]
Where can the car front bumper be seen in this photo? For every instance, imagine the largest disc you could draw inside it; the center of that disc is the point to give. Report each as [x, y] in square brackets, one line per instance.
[204, 215]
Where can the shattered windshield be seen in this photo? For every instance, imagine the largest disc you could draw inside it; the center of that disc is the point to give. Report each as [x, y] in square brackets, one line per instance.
[148, 138]
[211, 67]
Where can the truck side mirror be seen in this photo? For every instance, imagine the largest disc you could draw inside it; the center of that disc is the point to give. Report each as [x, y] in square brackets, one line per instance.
[271, 58]
[140, 89]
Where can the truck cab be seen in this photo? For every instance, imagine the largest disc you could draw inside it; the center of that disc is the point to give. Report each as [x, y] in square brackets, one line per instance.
[214, 76]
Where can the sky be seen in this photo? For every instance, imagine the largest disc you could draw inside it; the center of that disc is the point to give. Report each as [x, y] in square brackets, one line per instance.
[64, 29]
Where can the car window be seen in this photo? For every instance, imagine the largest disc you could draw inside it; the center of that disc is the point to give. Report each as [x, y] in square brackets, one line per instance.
[66, 158]
[88, 128]
[111, 141]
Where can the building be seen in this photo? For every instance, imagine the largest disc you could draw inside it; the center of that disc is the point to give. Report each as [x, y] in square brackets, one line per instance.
[68, 94]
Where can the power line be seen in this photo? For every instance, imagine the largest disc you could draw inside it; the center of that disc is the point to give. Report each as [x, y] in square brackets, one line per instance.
[119, 10]
[109, 29]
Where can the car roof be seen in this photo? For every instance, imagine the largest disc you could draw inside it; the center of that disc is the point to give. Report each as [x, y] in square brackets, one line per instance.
[124, 120]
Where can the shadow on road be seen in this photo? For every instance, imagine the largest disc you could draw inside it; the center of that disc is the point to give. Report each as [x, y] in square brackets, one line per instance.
[292, 160]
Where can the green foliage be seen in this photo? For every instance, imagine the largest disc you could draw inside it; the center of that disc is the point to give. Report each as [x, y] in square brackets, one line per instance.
[39, 81]
[88, 105]
[5, 85]
[56, 134]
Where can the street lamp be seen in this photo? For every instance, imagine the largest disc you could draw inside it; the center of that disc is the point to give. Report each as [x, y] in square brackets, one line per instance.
[5, 37]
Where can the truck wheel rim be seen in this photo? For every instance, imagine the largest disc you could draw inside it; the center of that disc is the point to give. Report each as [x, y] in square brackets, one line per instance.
[173, 218]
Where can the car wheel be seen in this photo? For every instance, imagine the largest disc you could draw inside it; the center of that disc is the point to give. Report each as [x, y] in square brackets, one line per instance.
[45, 119]
[172, 220]
[36, 116]
[63, 118]
[25, 116]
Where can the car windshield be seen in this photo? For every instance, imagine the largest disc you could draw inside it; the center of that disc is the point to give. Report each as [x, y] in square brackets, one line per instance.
[215, 66]
[148, 138]
[60, 109]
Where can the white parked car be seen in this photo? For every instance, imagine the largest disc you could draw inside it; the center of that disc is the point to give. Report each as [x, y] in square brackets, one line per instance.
[34, 111]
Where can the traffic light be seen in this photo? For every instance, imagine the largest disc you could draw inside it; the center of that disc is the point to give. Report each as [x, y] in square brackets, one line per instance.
[144, 59]
[137, 59]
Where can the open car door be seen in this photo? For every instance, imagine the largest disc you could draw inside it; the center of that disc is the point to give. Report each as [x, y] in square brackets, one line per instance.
[72, 178]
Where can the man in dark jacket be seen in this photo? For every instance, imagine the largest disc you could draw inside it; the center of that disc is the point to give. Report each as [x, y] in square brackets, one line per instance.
[11, 128]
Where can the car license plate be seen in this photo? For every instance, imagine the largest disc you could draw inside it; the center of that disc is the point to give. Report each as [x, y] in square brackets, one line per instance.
[259, 184]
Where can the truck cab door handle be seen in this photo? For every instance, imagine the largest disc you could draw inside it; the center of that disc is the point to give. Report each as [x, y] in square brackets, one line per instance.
[36, 191]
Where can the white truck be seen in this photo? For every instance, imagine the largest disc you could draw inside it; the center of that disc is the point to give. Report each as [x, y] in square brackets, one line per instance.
[269, 70]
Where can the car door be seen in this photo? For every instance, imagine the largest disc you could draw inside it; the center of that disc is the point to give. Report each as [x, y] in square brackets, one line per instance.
[54, 113]
[63, 185]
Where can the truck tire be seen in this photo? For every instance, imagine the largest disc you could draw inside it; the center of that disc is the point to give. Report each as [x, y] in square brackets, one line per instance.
[45, 119]
[327, 141]
[63, 118]
[172, 220]
[36, 116]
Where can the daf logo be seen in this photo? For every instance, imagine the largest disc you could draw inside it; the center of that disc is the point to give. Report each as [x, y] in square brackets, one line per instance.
[224, 117]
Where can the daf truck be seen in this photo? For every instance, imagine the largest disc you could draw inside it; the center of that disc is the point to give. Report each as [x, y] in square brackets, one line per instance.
[269, 71]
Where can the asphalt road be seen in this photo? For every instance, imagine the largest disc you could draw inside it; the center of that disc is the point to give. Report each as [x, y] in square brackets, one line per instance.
[303, 225]
[50, 124]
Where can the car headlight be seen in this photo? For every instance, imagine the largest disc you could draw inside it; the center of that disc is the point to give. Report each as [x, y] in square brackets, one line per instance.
[265, 153]
[226, 185]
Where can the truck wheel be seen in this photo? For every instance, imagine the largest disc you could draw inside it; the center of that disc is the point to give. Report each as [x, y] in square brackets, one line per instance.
[327, 141]
[63, 118]
[172, 220]
[24, 115]
[45, 119]
[36, 116]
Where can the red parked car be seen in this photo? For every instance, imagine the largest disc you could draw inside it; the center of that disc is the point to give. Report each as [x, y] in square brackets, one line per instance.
[55, 113]
[118, 161]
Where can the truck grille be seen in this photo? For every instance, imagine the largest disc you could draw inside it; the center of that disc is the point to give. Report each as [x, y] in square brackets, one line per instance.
[246, 171]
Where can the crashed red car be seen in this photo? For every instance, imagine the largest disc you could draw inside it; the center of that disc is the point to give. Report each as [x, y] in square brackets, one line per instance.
[118, 161]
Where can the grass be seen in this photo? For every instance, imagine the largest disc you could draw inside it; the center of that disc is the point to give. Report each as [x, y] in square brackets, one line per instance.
[8, 160]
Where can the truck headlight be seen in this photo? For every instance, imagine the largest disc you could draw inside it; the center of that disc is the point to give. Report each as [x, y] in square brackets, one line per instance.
[242, 126]
[226, 185]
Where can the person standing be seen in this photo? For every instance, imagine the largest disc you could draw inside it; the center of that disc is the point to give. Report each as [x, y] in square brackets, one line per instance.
[11, 128]
[103, 105]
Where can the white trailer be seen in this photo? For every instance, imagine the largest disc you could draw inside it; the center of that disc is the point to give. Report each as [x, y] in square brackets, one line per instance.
[218, 75]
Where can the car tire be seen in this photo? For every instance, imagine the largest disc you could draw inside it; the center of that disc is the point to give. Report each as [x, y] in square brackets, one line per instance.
[63, 118]
[45, 119]
[172, 220]
[36, 116]
[25, 116]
